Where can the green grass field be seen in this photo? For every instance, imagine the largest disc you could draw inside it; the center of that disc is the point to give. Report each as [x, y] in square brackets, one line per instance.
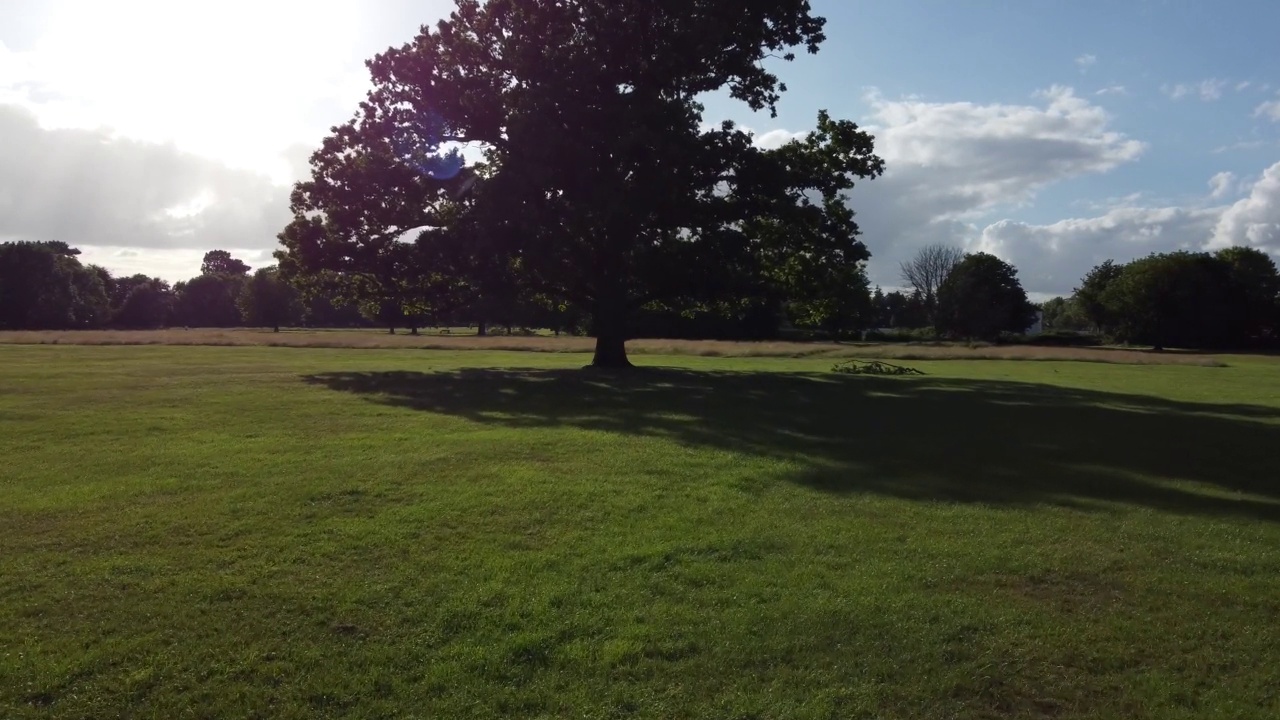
[230, 532]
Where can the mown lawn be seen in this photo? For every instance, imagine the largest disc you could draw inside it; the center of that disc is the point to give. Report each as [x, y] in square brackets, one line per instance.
[307, 533]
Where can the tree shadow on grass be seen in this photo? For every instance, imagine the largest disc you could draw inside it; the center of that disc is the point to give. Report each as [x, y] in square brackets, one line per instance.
[925, 438]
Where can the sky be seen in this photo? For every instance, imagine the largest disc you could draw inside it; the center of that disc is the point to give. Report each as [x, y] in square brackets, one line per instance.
[1055, 134]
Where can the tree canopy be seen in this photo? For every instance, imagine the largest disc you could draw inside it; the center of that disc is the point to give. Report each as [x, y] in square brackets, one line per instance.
[928, 269]
[148, 305]
[268, 301]
[220, 262]
[1090, 297]
[208, 301]
[1064, 315]
[1229, 298]
[982, 298]
[43, 285]
[1187, 299]
[600, 185]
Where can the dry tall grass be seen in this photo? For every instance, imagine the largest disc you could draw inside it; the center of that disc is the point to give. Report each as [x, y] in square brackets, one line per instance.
[367, 339]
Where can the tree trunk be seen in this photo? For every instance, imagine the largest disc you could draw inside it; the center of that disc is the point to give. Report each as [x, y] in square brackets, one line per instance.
[611, 335]
[392, 331]
[483, 329]
[275, 328]
[413, 331]
[611, 352]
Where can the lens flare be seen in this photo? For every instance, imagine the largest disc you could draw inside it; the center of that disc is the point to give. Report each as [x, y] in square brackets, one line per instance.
[422, 148]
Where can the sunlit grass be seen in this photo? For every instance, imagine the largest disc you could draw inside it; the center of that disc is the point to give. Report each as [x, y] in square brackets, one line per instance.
[543, 341]
[272, 532]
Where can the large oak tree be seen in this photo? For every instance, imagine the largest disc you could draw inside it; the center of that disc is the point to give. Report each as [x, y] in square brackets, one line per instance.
[600, 183]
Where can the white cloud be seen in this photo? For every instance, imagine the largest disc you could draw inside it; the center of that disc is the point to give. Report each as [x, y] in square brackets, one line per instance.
[1243, 85]
[950, 164]
[208, 104]
[224, 87]
[1269, 110]
[237, 80]
[14, 68]
[953, 169]
[1206, 90]
[1221, 185]
[971, 158]
[171, 264]
[777, 138]
[168, 128]
[90, 188]
[1053, 257]
[1254, 220]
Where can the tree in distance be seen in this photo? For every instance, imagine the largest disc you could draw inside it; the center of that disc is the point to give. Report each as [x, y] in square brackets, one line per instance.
[982, 298]
[1252, 295]
[1191, 299]
[148, 304]
[1063, 314]
[591, 178]
[268, 301]
[44, 286]
[928, 269]
[220, 262]
[1090, 296]
[208, 301]
[211, 298]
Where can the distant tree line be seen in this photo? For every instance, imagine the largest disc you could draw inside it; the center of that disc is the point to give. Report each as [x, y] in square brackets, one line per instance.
[1230, 298]
[1220, 300]
[44, 286]
[1226, 299]
[975, 296]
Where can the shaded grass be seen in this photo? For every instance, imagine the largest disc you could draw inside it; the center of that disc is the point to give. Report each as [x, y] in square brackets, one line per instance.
[257, 532]
[1048, 436]
[467, 340]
